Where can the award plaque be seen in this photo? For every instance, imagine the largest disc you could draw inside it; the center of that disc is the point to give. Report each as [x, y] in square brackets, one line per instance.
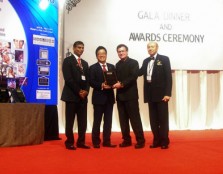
[110, 77]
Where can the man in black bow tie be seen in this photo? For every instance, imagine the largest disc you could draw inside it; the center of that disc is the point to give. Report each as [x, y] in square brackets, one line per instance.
[156, 70]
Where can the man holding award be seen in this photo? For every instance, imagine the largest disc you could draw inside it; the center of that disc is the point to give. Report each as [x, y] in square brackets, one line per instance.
[102, 77]
[127, 98]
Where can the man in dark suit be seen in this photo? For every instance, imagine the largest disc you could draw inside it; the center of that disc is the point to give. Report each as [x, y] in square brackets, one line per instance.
[102, 99]
[75, 91]
[156, 70]
[127, 98]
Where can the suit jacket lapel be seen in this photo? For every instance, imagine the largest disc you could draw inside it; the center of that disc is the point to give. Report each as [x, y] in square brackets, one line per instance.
[74, 61]
[146, 65]
[100, 74]
[99, 67]
[109, 67]
[155, 63]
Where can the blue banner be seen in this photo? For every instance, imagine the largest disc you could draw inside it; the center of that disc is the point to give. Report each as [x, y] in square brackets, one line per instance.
[29, 38]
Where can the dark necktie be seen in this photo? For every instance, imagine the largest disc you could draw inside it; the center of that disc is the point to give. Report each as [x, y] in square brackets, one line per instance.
[152, 58]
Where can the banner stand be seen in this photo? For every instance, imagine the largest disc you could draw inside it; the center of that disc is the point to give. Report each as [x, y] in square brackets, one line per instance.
[51, 123]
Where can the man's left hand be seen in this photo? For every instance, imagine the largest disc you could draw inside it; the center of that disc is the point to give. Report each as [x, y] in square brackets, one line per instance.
[166, 98]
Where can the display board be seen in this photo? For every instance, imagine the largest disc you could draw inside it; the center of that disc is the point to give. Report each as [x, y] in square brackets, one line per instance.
[29, 47]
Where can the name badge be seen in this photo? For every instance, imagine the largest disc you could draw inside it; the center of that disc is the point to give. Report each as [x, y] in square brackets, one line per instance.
[149, 78]
[83, 77]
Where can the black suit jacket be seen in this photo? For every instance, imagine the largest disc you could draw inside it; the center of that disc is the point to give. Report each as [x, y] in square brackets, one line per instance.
[73, 79]
[127, 74]
[161, 84]
[96, 79]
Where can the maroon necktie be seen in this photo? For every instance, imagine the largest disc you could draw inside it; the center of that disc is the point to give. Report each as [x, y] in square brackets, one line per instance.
[104, 68]
[79, 61]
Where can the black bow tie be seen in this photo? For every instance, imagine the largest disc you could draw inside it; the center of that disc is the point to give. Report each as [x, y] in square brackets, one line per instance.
[152, 58]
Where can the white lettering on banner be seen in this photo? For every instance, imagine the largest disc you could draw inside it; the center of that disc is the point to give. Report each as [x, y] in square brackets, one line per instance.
[43, 40]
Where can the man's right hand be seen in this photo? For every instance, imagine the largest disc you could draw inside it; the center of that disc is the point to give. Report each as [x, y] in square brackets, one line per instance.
[104, 86]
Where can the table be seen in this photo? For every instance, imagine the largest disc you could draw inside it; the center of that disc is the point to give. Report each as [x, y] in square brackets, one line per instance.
[21, 124]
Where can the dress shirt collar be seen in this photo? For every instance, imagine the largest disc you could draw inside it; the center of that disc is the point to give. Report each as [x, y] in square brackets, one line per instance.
[102, 64]
[76, 57]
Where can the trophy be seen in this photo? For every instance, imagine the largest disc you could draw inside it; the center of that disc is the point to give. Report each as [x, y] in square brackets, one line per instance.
[110, 77]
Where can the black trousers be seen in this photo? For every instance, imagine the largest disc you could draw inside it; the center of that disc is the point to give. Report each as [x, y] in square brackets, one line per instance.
[105, 110]
[129, 111]
[73, 109]
[159, 121]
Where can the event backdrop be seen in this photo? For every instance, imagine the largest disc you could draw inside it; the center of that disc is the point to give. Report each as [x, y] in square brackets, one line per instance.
[190, 32]
[29, 47]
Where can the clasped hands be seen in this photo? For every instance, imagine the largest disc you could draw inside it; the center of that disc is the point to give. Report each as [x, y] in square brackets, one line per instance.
[83, 94]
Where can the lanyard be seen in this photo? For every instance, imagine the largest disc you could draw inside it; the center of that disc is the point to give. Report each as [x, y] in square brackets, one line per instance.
[149, 70]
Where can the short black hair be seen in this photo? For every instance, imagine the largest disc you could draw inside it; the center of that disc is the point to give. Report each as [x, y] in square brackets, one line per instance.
[77, 43]
[122, 45]
[100, 48]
